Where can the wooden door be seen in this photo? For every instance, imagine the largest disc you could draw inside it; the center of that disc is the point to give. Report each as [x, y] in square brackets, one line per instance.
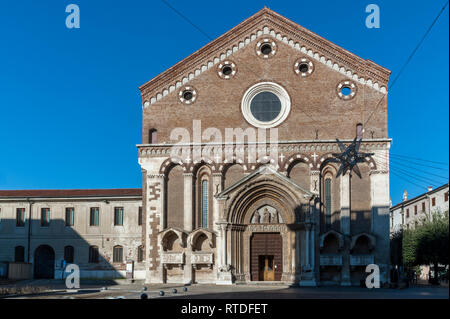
[266, 257]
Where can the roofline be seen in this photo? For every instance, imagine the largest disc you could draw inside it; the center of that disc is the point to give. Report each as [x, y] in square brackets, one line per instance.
[403, 203]
[195, 58]
[19, 196]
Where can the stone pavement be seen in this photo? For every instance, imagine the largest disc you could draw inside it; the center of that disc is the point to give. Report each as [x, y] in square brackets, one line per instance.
[123, 289]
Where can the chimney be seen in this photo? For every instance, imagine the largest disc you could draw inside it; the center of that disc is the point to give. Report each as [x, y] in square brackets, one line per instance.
[405, 195]
[430, 188]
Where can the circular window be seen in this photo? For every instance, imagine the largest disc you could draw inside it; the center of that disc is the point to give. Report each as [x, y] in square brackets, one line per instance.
[303, 67]
[226, 70]
[266, 105]
[346, 90]
[266, 48]
[187, 95]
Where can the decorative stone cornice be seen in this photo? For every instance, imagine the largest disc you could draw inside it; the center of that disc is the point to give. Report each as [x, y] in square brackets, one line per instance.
[265, 23]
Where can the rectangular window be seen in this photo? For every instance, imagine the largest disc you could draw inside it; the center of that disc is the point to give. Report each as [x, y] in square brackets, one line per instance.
[118, 254]
[446, 197]
[415, 209]
[93, 254]
[433, 201]
[94, 218]
[45, 217]
[20, 217]
[140, 216]
[140, 257]
[205, 204]
[328, 201]
[407, 213]
[70, 216]
[118, 216]
[423, 207]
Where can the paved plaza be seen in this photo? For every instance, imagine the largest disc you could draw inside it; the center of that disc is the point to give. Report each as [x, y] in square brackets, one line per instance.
[49, 289]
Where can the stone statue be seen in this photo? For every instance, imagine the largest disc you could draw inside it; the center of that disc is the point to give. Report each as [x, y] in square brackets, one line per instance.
[266, 216]
[255, 218]
[275, 219]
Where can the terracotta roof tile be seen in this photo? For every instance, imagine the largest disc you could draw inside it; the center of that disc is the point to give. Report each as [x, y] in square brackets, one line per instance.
[71, 192]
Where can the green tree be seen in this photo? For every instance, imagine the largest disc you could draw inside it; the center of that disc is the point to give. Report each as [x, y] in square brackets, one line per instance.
[431, 244]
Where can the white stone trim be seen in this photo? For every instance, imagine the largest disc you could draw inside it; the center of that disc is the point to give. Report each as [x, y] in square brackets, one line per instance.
[274, 88]
[277, 35]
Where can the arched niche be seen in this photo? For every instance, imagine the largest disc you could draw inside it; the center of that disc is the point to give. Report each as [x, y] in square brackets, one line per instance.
[173, 240]
[361, 214]
[232, 173]
[201, 240]
[174, 194]
[299, 172]
[330, 203]
[331, 242]
[362, 243]
[266, 214]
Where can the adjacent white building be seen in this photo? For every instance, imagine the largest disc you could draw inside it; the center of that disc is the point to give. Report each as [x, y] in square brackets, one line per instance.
[410, 212]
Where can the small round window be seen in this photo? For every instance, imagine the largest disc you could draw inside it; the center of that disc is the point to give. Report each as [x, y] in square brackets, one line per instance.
[226, 70]
[303, 67]
[265, 105]
[187, 95]
[346, 90]
[266, 48]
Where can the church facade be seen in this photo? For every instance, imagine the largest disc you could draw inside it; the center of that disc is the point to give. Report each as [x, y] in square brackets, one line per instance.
[239, 182]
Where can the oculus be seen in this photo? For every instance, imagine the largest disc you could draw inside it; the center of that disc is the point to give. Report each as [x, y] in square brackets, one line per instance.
[303, 67]
[226, 70]
[266, 48]
[346, 90]
[266, 105]
[187, 95]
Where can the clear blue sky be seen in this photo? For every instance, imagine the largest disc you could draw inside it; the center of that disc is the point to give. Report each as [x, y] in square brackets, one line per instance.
[69, 99]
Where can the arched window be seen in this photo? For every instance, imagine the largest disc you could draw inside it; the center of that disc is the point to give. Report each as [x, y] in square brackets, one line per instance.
[19, 254]
[68, 254]
[118, 254]
[328, 201]
[152, 136]
[359, 131]
[140, 254]
[205, 203]
[93, 254]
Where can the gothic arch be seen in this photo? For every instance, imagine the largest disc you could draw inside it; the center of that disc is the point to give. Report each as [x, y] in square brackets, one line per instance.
[165, 237]
[260, 192]
[294, 159]
[334, 233]
[371, 239]
[169, 163]
[194, 235]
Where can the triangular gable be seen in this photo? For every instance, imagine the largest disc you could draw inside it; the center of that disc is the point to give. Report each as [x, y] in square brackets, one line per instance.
[270, 23]
[261, 171]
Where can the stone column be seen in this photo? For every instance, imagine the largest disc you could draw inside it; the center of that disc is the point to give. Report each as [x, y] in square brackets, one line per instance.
[224, 276]
[308, 276]
[379, 184]
[345, 228]
[155, 222]
[217, 188]
[188, 197]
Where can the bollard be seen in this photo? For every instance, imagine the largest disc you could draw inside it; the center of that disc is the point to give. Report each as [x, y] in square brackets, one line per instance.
[144, 296]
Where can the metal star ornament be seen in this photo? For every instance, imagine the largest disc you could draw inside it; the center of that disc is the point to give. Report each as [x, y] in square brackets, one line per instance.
[350, 157]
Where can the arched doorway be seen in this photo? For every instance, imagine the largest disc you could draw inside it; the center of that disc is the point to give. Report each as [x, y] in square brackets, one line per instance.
[44, 262]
